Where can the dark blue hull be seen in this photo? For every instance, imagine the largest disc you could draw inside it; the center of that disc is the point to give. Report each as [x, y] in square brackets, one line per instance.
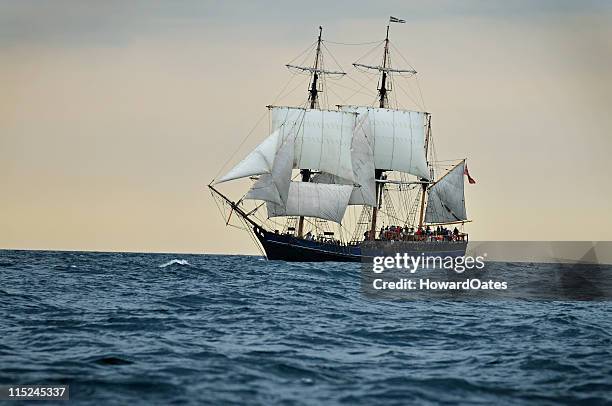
[289, 248]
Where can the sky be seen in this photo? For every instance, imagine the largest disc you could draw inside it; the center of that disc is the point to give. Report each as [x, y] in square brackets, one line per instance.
[114, 116]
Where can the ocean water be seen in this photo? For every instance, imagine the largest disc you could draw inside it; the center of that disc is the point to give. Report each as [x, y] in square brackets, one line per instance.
[211, 329]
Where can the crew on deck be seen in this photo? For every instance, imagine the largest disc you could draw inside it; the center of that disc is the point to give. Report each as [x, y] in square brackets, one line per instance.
[398, 233]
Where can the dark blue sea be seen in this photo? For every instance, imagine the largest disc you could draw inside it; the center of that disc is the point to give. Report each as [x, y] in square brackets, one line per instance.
[212, 329]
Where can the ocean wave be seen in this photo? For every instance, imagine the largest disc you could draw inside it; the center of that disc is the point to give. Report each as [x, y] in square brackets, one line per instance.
[181, 262]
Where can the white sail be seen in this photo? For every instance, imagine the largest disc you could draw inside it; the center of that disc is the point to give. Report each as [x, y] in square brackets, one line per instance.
[362, 155]
[264, 189]
[446, 202]
[322, 138]
[274, 187]
[258, 162]
[399, 139]
[328, 202]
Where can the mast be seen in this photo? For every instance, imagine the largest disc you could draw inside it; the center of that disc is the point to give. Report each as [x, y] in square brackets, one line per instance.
[382, 92]
[383, 99]
[424, 186]
[313, 93]
[313, 101]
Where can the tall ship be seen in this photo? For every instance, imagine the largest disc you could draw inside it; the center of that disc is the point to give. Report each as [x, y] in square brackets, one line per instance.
[328, 183]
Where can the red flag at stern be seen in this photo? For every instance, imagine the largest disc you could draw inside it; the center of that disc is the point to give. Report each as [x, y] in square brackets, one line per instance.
[467, 173]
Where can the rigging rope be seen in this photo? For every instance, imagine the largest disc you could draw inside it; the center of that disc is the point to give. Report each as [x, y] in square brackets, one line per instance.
[400, 54]
[370, 51]
[239, 146]
[309, 48]
[353, 43]
[416, 103]
[332, 55]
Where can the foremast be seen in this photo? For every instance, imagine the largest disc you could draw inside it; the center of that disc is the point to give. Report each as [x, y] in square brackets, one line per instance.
[313, 102]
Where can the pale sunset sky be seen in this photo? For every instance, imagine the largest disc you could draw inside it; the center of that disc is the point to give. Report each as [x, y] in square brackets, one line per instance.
[115, 115]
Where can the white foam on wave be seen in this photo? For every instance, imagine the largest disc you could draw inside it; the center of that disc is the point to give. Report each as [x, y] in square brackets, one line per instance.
[176, 262]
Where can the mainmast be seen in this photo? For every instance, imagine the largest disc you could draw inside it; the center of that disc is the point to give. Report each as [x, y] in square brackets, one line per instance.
[383, 101]
[313, 93]
[313, 101]
[385, 70]
[382, 92]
